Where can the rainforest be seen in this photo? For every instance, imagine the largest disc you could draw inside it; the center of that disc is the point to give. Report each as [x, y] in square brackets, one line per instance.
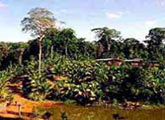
[57, 68]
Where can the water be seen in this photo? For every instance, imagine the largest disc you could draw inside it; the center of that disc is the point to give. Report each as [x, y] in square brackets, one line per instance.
[75, 112]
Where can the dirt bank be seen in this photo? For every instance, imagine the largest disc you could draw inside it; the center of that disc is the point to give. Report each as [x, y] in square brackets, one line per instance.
[27, 108]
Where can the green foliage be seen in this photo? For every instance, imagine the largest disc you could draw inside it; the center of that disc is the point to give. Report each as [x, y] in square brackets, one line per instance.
[66, 43]
[5, 76]
[38, 21]
[39, 88]
[79, 85]
[105, 37]
[134, 49]
[85, 80]
[89, 82]
[153, 85]
[10, 53]
[35, 87]
[155, 43]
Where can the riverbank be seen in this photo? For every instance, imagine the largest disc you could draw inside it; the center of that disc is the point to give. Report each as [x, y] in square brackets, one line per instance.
[28, 108]
[24, 108]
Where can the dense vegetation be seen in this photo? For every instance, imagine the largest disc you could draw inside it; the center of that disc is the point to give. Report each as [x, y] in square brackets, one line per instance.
[67, 69]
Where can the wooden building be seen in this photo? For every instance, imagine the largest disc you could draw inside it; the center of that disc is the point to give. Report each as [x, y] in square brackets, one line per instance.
[112, 61]
[134, 62]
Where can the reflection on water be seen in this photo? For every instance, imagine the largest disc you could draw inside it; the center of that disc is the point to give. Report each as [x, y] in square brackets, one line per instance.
[74, 112]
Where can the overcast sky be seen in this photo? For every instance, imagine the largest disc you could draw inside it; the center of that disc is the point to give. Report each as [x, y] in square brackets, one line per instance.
[133, 18]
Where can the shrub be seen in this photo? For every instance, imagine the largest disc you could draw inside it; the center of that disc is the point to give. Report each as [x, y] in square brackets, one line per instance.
[90, 81]
[35, 86]
[5, 76]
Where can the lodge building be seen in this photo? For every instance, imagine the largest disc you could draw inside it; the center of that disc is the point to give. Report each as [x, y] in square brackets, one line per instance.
[134, 62]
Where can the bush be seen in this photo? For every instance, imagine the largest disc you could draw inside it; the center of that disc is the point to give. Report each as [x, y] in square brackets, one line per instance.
[153, 85]
[5, 76]
[35, 86]
[89, 81]
[80, 85]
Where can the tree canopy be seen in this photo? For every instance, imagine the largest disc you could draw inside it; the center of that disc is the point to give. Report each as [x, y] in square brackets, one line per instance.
[38, 21]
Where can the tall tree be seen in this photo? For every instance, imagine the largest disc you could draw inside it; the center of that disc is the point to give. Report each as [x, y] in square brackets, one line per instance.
[117, 49]
[155, 42]
[133, 48]
[105, 36]
[68, 39]
[38, 21]
[4, 51]
[50, 42]
[85, 48]
[21, 50]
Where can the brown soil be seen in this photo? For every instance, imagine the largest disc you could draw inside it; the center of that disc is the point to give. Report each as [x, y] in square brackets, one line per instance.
[11, 112]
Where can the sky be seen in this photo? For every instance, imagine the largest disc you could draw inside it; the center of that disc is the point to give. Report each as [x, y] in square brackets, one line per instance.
[133, 18]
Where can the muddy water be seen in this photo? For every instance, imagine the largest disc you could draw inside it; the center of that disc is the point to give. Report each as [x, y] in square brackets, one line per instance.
[75, 112]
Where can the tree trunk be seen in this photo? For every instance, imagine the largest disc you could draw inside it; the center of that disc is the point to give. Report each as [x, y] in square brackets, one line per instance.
[85, 50]
[66, 50]
[20, 56]
[51, 52]
[108, 45]
[40, 55]
[99, 50]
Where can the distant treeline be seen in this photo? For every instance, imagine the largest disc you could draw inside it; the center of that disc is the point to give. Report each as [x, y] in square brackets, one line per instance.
[109, 43]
